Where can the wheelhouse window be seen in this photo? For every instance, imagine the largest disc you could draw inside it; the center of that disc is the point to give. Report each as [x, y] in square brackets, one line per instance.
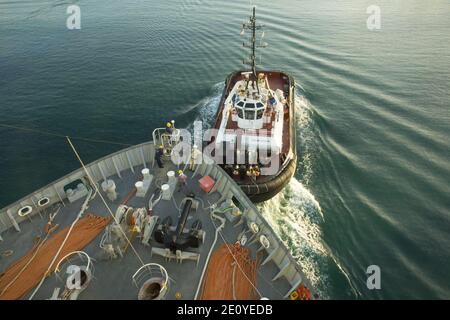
[259, 113]
[240, 113]
[239, 109]
[249, 114]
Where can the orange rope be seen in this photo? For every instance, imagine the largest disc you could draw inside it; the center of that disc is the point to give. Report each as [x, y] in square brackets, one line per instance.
[219, 282]
[84, 231]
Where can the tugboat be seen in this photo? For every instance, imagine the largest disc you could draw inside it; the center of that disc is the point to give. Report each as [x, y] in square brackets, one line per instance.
[255, 126]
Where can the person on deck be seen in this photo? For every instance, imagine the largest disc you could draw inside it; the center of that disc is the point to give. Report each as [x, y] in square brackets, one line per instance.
[169, 128]
[195, 158]
[182, 180]
[158, 156]
[169, 136]
[256, 171]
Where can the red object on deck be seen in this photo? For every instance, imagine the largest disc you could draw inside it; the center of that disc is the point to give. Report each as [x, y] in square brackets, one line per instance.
[206, 183]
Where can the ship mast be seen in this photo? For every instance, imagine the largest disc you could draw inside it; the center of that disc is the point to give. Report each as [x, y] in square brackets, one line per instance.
[253, 27]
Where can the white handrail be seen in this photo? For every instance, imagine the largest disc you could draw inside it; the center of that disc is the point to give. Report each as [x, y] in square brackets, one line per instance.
[161, 268]
[71, 253]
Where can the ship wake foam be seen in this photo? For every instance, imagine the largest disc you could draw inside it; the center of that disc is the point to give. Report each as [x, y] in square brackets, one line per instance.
[207, 107]
[295, 215]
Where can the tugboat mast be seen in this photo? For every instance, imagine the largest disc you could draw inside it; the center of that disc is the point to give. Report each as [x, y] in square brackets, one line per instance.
[253, 27]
